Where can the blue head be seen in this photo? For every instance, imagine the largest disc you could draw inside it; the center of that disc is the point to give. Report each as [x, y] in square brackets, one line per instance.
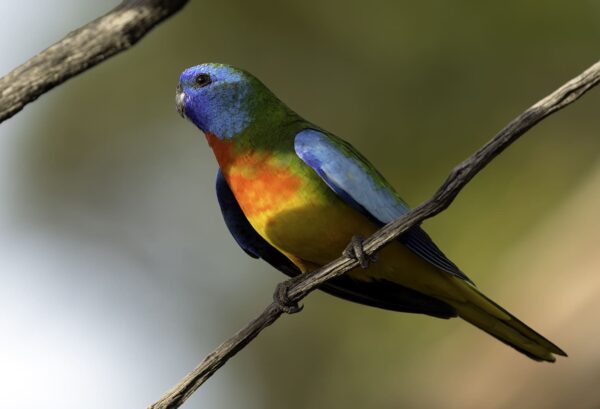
[217, 98]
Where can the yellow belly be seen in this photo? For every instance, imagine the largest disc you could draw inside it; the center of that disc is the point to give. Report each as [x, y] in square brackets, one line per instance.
[315, 232]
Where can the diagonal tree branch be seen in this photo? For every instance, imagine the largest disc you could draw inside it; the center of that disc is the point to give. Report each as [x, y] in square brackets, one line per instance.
[301, 286]
[82, 49]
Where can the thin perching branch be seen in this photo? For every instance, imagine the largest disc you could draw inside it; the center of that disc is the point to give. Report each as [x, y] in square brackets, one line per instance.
[82, 49]
[443, 197]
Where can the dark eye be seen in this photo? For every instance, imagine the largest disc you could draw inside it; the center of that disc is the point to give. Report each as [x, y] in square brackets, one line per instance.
[203, 80]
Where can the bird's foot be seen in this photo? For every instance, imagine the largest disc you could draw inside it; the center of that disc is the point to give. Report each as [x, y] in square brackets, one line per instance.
[356, 251]
[282, 298]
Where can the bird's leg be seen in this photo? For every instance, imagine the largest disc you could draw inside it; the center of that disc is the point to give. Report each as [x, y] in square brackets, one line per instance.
[282, 299]
[356, 251]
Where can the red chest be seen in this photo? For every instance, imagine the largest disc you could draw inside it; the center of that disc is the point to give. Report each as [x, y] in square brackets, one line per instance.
[260, 184]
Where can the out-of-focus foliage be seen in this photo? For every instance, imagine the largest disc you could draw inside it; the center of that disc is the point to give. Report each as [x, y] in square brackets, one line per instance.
[120, 274]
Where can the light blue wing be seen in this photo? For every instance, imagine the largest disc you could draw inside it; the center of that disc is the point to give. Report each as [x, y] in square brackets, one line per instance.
[359, 184]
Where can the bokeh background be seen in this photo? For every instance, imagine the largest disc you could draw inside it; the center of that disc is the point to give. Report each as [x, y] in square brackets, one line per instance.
[118, 274]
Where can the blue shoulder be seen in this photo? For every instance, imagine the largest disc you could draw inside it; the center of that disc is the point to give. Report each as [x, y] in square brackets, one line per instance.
[359, 184]
[349, 175]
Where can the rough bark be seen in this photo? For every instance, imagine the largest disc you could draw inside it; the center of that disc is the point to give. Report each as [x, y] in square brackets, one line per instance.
[82, 49]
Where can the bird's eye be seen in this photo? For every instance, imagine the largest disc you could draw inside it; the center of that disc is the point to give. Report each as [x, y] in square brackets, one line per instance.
[203, 80]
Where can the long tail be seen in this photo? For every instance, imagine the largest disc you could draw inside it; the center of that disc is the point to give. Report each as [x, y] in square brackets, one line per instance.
[499, 323]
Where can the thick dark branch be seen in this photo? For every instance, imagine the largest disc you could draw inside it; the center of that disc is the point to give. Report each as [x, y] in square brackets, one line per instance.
[82, 49]
[458, 178]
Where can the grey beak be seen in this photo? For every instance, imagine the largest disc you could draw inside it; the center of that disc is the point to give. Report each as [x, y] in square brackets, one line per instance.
[179, 99]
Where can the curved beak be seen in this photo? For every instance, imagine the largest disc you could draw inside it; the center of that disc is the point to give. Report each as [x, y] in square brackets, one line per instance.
[179, 99]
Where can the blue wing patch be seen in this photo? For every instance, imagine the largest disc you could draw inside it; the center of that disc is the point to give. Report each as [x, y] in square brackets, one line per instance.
[349, 175]
[360, 185]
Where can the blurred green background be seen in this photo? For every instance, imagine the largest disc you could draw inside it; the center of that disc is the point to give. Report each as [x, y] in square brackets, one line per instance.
[118, 272]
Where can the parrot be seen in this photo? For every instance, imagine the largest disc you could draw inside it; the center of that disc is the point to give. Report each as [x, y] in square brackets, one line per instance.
[295, 195]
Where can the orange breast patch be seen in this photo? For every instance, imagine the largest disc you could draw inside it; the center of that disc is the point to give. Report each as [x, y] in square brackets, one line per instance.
[260, 185]
[264, 190]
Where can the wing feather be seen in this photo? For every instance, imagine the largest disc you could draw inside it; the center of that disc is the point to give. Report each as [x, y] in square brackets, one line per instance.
[359, 184]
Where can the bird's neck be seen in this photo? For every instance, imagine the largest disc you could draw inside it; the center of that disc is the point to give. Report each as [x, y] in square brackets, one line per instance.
[257, 142]
[224, 150]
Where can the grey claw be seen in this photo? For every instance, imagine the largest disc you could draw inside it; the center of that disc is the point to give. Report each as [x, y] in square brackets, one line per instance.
[282, 299]
[356, 251]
